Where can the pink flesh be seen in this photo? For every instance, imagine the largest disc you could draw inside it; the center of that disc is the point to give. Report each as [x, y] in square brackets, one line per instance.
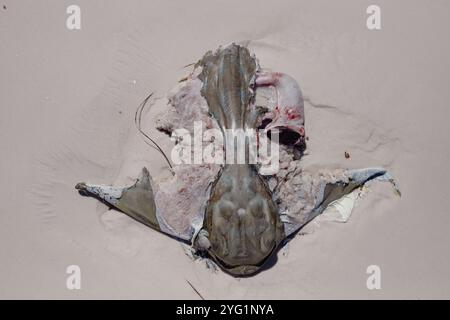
[289, 111]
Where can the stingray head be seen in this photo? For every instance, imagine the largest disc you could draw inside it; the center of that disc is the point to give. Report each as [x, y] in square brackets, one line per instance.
[241, 221]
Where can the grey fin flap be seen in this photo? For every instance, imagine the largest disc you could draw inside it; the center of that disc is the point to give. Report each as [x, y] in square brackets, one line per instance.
[138, 201]
[335, 189]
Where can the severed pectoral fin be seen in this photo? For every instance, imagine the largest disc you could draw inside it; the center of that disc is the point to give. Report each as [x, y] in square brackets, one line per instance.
[337, 189]
[340, 193]
[341, 196]
[136, 201]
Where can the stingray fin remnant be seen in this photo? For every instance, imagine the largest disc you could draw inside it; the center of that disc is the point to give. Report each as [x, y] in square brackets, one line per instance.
[137, 201]
[332, 188]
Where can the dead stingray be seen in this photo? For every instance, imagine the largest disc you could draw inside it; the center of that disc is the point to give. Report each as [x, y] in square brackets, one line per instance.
[235, 214]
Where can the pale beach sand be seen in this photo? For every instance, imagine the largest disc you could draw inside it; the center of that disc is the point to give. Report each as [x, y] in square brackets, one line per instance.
[67, 106]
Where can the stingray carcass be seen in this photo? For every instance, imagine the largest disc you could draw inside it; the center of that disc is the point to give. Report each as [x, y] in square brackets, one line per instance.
[236, 214]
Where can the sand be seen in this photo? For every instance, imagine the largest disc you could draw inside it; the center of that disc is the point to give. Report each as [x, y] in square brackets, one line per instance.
[66, 115]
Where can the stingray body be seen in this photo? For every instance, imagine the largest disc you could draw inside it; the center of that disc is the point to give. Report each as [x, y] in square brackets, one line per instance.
[232, 213]
[241, 218]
